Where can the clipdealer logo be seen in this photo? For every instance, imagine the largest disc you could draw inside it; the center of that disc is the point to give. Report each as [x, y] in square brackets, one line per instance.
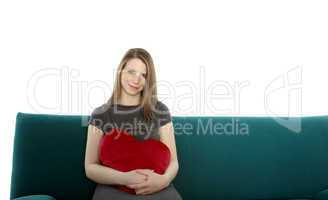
[290, 83]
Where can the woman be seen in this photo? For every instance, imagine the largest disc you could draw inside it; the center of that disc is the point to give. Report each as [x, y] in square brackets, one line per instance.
[133, 107]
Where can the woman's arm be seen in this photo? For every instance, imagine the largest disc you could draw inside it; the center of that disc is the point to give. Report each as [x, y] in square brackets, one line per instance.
[95, 171]
[167, 137]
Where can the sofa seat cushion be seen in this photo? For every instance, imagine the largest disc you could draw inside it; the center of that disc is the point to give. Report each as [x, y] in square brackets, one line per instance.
[322, 195]
[35, 197]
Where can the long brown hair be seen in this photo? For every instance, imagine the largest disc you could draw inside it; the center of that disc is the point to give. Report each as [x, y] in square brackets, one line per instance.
[149, 93]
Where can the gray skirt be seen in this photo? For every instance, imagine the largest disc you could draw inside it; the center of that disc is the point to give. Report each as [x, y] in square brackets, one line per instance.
[107, 192]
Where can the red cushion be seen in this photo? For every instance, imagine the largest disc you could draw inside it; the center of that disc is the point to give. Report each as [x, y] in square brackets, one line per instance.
[121, 151]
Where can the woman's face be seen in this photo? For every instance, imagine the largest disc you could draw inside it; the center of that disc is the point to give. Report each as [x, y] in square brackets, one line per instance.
[133, 77]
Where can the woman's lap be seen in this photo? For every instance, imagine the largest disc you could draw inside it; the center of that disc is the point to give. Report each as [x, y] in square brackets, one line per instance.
[107, 192]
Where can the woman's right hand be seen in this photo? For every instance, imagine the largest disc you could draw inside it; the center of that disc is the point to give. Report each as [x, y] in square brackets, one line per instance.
[134, 177]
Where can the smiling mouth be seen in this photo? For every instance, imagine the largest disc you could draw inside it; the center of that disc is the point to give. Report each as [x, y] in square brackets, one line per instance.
[133, 87]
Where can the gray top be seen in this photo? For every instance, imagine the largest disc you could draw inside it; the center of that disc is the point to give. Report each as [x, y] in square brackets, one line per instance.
[130, 118]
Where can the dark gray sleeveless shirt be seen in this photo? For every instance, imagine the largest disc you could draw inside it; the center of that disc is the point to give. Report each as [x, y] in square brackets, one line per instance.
[130, 118]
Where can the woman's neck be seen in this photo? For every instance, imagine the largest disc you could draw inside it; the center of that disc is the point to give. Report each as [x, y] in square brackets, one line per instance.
[129, 100]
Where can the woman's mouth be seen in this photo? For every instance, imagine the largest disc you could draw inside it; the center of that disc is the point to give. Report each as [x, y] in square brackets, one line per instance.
[134, 87]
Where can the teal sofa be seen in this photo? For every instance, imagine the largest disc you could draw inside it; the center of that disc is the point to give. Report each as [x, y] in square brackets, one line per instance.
[269, 161]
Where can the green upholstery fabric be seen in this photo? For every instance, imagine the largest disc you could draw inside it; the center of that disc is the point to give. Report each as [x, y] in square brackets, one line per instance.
[270, 162]
[49, 157]
[322, 195]
[35, 197]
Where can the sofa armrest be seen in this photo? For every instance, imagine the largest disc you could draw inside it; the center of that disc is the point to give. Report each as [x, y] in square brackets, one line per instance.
[35, 197]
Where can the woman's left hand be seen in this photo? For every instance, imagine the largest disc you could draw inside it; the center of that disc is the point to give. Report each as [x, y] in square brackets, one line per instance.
[155, 182]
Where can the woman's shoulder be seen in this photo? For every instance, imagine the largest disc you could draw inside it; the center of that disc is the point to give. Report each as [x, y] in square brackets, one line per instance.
[162, 113]
[160, 106]
[101, 109]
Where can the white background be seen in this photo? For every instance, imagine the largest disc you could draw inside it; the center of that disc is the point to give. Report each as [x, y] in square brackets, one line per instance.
[211, 46]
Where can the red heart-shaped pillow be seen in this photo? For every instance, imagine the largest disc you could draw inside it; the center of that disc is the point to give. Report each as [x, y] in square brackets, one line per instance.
[121, 151]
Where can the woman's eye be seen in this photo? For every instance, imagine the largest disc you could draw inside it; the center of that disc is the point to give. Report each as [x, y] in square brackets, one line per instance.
[133, 72]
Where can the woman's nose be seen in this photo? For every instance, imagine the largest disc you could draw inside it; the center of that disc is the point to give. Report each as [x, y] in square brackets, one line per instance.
[136, 79]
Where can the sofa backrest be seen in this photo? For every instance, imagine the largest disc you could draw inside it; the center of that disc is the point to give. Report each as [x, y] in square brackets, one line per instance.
[49, 157]
[271, 161]
[219, 157]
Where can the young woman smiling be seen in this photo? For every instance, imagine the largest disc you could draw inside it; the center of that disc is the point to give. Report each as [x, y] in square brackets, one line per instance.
[134, 98]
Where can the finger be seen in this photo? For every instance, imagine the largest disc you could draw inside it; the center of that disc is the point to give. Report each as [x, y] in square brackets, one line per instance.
[133, 184]
[147, 193]
[143, 191]
[138, 185]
